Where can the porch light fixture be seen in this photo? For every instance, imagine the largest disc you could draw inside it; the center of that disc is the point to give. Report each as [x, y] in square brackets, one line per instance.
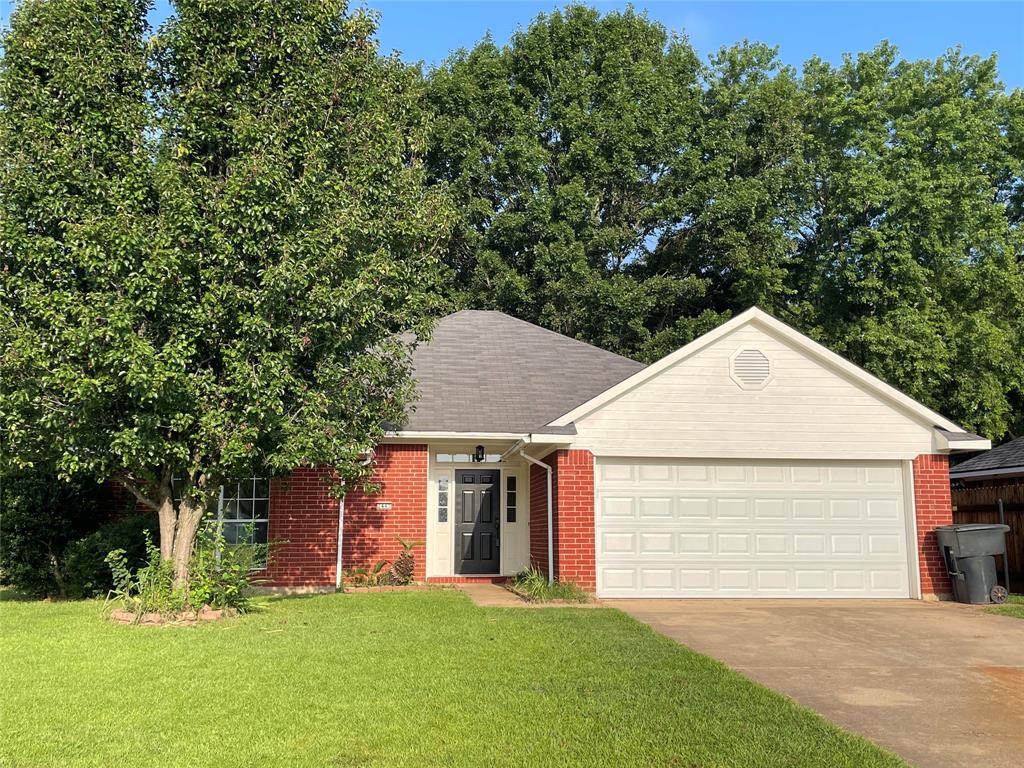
[479, 454]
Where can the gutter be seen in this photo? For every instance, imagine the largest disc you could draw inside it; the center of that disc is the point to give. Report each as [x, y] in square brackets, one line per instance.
[551, 533]
[982, 473]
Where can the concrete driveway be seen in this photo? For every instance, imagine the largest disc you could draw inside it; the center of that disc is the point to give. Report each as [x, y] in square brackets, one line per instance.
[940, 684]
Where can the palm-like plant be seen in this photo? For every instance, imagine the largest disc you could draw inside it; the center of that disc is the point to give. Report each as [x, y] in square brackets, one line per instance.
[402, 569]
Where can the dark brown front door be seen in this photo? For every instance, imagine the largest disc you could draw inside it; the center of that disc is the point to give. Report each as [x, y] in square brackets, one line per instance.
[477, 521]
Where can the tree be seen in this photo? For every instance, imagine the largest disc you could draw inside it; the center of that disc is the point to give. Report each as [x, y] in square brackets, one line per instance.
[613, 188]
[911, 252]
[563, 152]
[210, 241]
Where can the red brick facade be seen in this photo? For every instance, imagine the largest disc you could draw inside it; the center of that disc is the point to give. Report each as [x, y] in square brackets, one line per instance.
[370, 533]
[934, 508]
[304, 517]
[573, 492]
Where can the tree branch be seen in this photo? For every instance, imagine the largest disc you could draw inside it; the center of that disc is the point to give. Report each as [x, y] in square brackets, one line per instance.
[142, 498]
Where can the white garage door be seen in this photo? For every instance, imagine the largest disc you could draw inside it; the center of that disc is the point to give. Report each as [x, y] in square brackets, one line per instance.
[750, 529]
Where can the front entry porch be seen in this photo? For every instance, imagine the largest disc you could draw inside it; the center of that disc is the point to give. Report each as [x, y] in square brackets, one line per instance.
[478, 513]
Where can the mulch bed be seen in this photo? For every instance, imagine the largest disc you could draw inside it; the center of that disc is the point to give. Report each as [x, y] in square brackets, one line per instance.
[185, 618]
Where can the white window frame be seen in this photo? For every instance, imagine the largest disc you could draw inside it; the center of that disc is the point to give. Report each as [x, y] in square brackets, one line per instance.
[250, 521]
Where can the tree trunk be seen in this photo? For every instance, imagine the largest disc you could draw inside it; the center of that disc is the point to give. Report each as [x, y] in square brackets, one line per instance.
[190, 515]
[168, 522]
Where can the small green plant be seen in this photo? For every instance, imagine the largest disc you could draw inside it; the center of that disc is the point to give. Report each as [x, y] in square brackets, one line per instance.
[220, 575]
[532, 584]
[368, 577]
[402, 570]
[148, 589]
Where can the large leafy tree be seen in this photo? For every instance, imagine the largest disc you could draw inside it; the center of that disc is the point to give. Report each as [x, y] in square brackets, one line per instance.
[910, 254]
[210, 240]
[614, 188]
[563, 150]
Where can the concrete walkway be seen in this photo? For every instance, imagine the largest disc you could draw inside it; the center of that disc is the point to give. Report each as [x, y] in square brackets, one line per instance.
[940, 684]
[496, 596]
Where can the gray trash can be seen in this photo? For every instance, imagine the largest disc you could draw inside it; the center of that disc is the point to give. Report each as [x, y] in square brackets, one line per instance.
[969, 550]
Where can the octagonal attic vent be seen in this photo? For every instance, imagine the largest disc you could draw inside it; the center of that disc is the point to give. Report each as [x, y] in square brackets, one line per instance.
[751, 369]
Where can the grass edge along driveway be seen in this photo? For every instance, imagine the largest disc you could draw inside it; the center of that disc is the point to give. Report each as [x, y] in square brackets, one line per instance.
[1013, 607]
[393, 679]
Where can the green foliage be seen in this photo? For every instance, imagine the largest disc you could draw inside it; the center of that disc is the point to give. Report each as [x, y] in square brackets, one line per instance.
[220, 576]
[376, 576]
[404, 567]
[40, 515]
[533, 585]
[86, 572]
[209, 239]
[613, 188]
[148, 589]
[562, 151]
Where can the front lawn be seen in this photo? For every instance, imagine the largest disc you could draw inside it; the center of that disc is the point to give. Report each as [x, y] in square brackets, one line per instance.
[393, 679]
[1014, 607]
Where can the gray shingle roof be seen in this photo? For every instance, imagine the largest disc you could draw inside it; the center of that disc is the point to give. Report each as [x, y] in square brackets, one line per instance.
[1005, 456]
[489, 372]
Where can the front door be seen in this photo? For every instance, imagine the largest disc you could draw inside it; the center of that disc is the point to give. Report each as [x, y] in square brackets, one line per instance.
[477, 521]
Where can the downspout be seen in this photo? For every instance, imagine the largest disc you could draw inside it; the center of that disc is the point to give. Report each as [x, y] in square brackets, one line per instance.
[341, 540]
[370, 455]
[551, 530]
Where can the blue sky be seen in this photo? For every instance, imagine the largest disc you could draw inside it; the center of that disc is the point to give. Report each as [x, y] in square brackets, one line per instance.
[426, 30]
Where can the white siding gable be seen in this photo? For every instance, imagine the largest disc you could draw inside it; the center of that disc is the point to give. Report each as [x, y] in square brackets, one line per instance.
[808, 409]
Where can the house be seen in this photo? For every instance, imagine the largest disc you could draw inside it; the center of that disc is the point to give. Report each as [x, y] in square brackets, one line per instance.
[989, 488]
[752, 462]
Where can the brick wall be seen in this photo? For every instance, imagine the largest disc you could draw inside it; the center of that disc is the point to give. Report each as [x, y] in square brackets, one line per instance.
[401, 473]
[539, 516]
[573, 491]
[933, 508]
[304, 516]
[574, 519]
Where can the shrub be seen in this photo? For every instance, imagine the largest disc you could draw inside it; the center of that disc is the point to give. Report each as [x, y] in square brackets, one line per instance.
[369, 577]
[402, 570]
[86, 572]
[533, 585]
[40, 514]
[220, 575]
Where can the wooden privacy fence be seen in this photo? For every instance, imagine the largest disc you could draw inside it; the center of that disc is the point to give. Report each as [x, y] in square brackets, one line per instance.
[981, 505]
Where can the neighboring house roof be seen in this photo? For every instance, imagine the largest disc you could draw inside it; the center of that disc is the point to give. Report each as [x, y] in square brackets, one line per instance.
[1006, 459]
[487, 372]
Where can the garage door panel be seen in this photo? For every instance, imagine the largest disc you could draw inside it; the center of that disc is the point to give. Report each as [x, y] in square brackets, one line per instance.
[740, 580]
[765, 529]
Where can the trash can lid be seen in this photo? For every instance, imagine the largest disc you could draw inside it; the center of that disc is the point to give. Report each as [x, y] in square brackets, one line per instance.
[963, 527]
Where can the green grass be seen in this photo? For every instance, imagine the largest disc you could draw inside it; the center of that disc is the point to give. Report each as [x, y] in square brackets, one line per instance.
[388, 679]
[532, 584]
[1014, 607]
